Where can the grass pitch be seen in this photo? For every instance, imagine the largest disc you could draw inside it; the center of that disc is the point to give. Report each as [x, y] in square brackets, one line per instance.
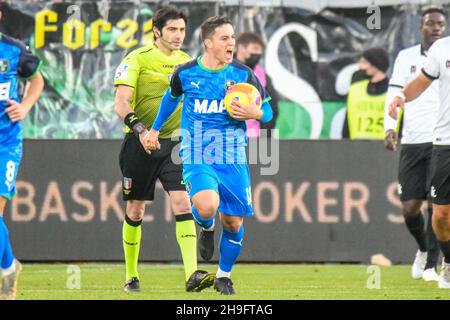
[252, 282]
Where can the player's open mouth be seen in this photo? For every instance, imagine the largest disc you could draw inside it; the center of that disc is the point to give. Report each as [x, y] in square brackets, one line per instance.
[229, 53]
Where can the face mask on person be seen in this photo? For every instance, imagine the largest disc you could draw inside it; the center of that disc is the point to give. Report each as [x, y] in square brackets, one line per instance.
[253, 60]
[362, 74]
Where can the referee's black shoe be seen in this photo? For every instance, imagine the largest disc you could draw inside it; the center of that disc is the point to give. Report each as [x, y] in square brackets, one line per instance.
[200, 280]
[206, 244]
[132, 285]
[224, 285]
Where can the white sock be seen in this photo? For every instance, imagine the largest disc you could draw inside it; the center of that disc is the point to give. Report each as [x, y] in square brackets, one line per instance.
[10, 270]
[222, 274]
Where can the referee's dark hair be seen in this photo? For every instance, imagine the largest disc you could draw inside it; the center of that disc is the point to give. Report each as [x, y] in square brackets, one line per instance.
[433, 10]
[165, 14]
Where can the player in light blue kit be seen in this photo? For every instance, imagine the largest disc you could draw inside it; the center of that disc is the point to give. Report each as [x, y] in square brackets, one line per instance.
[213, 144]
[15, 61]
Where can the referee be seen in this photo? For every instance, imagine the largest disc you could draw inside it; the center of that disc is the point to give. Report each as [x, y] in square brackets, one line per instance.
[419, 120]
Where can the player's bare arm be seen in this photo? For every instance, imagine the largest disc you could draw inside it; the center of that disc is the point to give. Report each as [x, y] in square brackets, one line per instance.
[412, 90]
[18, 111]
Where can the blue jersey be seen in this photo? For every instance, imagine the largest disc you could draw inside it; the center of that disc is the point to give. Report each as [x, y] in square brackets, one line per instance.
[15, 61]
[208, 133]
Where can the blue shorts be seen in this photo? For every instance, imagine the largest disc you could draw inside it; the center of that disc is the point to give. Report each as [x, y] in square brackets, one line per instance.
[230, 181]
[10, 157]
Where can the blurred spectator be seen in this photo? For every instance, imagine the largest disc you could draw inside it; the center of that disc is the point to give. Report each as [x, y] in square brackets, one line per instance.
[366, 97]
[249, 50]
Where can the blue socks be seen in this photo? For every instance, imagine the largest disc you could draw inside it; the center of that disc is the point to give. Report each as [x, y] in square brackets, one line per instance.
[230, 244]
[6, 255]
[202, 222]
[230, 248]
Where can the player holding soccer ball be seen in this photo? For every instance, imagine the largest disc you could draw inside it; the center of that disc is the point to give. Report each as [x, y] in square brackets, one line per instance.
[141, 80]
[213, 143]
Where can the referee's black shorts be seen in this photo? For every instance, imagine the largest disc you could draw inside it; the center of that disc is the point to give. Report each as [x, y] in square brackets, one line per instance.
[414, 171]
[440, 175]
[141, 170]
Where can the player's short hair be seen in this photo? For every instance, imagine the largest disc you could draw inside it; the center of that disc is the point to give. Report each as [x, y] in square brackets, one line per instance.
[209, 26]
[245, 38]
[433, 10]
[165, 14]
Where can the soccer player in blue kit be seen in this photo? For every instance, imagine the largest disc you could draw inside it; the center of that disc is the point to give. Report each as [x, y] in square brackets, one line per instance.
[213, 144]
[15, 61]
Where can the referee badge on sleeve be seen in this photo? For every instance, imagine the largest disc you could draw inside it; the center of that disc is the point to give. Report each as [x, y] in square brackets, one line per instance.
[127, 183]
[121, 72]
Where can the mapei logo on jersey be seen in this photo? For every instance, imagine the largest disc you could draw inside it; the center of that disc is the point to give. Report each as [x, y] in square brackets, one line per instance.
[208, 106]
[413, 69]
[229, 84]
[121, 72]
[4, 65]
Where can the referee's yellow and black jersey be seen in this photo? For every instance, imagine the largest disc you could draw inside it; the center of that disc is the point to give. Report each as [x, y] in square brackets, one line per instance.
[148, 71]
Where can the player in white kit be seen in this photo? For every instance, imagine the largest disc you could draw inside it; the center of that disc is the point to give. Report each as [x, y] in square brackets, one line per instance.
[437, 67]
[419, 120]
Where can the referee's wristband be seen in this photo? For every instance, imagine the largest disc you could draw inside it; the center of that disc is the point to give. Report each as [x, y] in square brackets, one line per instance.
[132, 121]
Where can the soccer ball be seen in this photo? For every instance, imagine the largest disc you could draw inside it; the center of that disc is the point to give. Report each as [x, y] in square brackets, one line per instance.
[244, 93]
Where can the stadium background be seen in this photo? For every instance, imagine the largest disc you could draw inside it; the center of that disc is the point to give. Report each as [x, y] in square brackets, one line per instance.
[332, 200]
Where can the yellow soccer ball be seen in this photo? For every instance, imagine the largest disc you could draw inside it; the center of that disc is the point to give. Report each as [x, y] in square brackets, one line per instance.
[244, 93]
